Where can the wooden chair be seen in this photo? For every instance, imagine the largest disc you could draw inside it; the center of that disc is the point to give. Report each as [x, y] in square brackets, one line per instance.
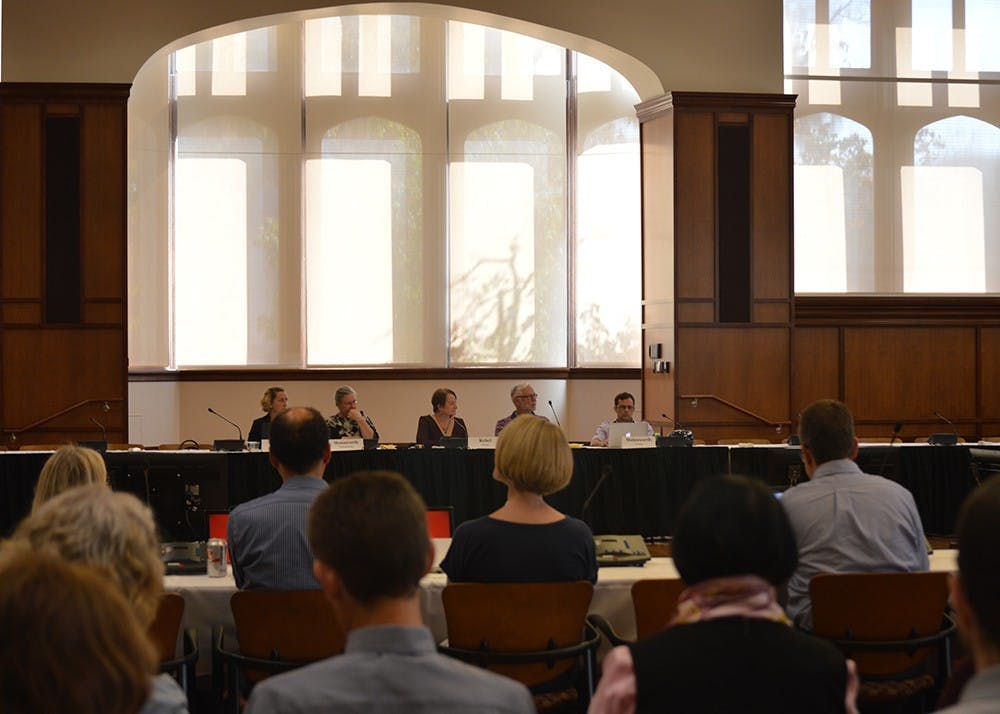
[124, 447]
[889, 624]
[186, 444]
[925, 439]
[531, 632]
[655, 604]
[163, 633]
[43, 447]
[278, 631]
[737, 442]
[876, 439]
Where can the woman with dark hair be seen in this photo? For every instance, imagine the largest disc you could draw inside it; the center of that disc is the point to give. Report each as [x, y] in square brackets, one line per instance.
[441, 422]
[274, 401]
[730, 647]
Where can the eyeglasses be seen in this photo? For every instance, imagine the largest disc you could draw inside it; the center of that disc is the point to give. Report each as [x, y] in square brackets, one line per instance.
[526, 396]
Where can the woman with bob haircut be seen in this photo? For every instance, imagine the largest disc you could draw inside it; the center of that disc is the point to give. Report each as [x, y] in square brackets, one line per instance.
[730, 647]
[68, 467]
[113, 534]
[71, 643]
[274, 401]
[441, 422]
[526, 539]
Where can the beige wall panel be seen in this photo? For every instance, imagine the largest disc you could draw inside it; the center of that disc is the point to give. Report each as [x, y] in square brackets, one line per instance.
[658, 210]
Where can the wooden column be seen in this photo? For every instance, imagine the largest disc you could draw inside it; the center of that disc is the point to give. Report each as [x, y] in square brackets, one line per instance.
[63, 305]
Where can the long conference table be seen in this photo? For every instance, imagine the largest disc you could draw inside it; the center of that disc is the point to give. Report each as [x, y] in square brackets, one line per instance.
[641, 490]
[207, 599]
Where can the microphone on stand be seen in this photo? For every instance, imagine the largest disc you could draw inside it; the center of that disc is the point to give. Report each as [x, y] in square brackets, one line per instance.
[558, 423]
[896, 428]
[672, 421]
[228, 444]
[104, 432]
[605, 472]
[944, 439]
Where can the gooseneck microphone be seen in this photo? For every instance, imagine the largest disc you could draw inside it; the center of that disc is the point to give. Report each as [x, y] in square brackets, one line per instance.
[238, 429]
[947, 421]
[104, 432]
[672, 421]
[896, 428]
[606, 471]
[554, 414]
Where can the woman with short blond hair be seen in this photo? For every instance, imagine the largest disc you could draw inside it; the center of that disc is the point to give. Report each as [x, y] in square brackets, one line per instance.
[526, 539]
[67, 468]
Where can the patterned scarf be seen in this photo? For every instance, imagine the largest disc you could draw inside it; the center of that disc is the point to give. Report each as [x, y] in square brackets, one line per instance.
[736, 596]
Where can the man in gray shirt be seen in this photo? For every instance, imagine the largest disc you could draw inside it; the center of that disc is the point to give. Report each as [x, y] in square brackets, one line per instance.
[267, 536]
[844, 519]
[368, 532]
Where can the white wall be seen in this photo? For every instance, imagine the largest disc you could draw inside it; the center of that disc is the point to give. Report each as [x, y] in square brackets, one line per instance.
[168, 412]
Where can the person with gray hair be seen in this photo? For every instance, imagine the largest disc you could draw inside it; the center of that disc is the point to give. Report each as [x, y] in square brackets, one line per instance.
[350, 422]
[525, 399]
[113, 534]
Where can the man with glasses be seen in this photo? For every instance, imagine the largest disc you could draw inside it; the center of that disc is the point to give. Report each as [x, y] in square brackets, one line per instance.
[525, 399]
[624, 413]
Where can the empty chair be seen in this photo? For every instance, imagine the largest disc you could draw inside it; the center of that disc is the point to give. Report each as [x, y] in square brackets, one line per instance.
[889, 624]
[163, 632]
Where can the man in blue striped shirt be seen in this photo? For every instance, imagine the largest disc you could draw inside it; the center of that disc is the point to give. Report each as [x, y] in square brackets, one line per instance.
[267, 536]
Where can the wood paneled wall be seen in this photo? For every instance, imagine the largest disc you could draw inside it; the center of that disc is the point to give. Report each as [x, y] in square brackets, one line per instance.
[747, 371]
[62, 262]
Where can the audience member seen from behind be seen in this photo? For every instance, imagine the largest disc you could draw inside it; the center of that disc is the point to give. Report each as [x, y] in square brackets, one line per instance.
[70, 641]
[114, 535]
[844, 519]
[441, 422]
[525, 399]
[730, 647]
[369, 534]
[526, 540]
[267, 536]
[624, 414]
[975, 598]
[68, 467]
[274, 401]
[350, 422]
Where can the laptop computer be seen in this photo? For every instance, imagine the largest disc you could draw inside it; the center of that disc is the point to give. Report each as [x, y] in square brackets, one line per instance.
[619, 430]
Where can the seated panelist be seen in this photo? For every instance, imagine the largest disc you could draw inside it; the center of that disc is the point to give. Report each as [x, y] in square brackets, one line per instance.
[524, 398]
[274, 401]
[624, 413]
[350, 422]
[441, 422]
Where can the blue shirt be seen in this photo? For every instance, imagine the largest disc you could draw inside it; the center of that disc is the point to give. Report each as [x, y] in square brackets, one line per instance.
[267, 538]
[848, 521]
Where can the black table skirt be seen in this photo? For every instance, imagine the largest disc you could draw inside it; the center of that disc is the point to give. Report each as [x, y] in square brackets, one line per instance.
[642, 491]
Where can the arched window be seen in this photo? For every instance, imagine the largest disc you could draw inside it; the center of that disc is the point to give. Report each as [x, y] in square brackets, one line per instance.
[950, 206]
[834, 222]
[409, 200]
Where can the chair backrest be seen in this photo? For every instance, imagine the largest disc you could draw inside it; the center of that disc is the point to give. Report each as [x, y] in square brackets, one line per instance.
[518, 617]
[293, 626]
[124, 447]
[439, 520]
[737, 442]
[925, 439]
[655, 603]
[879, 607]
[166, 625]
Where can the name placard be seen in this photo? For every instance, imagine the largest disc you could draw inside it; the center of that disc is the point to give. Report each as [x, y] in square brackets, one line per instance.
[482, 442]
[639, 442]
[265, 444]
[347, 444]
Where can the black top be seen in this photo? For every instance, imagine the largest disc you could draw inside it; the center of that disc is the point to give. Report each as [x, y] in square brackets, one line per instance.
[261, 428]
[737, 664]
[429, 433]
[488, 550]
